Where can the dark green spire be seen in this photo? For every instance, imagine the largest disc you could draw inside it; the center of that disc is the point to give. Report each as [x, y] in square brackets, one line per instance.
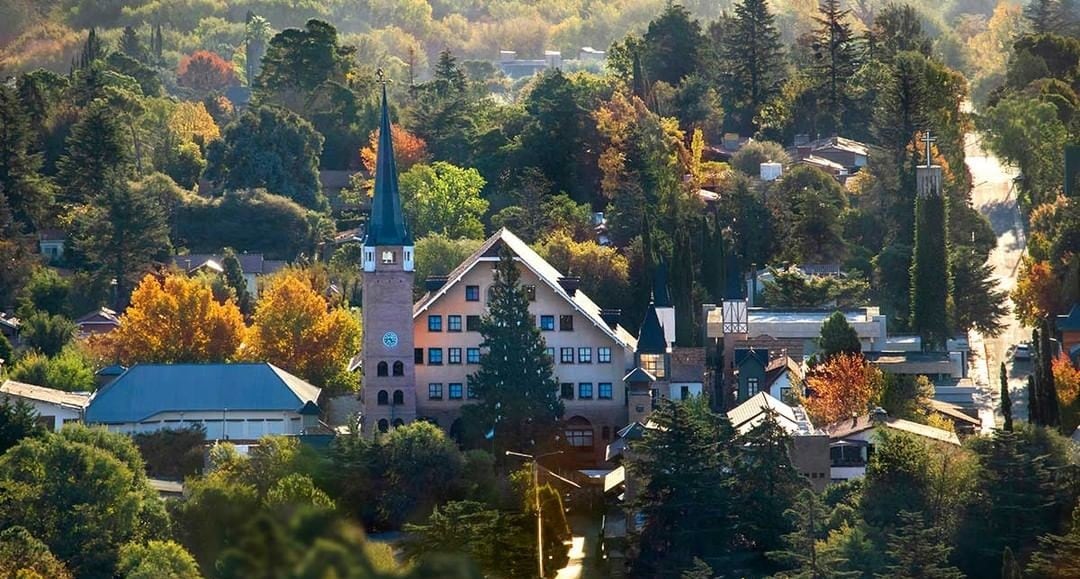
[386, 226]
[651, 338]
[661, 296]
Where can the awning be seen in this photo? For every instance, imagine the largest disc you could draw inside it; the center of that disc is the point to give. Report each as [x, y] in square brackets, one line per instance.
[614, 478]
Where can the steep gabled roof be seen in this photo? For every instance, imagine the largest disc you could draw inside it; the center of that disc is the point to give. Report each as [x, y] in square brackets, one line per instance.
[145, 390]
[547, 273]
[386, 224]
[651, 338]
[750, 413]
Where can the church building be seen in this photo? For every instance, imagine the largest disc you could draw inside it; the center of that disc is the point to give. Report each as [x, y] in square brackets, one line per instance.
[417, 357]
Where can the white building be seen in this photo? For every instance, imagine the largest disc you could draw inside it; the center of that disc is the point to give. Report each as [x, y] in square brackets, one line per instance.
[55, 408]
[851, 441]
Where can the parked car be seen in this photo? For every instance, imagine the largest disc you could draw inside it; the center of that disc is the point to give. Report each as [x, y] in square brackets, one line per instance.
[1022, 352]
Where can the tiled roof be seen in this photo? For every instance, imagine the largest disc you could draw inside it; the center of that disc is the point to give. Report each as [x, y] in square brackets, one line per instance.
[146, 390]
[77, 400]
[543, 270]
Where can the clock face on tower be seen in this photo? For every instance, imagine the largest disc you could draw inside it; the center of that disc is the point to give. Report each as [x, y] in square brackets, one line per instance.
[390, 340]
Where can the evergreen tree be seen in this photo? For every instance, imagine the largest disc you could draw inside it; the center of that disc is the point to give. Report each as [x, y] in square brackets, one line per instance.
[930, 287]
[132, 45]
[28, 194]
[835, 61]
[157, 43]
[918, 551]
[714, 261]
[899, 114]
[444, 113]
[93, 49]
[256, 34]
[18, 420]
[1044, 16]
[98, 154]
[1044, 396]
[801, 552]
[755, 56]
[1010, 569]
[1006, 400]
[685, 495]
[120, 234]
[682, 291]
[1058, 556]
[838, 337]
[762, 457]
[898, 28]
[977, 302]
[673, 44]
[515, 384]
[234, 277]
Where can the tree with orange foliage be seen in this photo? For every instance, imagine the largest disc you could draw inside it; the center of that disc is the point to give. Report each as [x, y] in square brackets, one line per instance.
[205, 71]
[842, 387]
[178, 320]
[1037, 293]
[295, 328]
[408, 149]
[1067, 384]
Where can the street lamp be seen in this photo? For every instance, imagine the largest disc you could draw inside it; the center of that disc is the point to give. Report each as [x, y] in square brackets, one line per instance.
[536, 494]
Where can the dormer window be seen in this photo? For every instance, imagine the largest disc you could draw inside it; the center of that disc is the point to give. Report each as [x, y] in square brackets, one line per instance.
[388, 257]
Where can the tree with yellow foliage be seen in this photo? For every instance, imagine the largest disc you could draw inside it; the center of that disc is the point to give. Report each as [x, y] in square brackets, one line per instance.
[193, 123]
[842, 387]
[295, 328]
[178, 320]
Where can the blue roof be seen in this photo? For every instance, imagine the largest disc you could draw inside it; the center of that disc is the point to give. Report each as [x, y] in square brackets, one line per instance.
[1070, 322]
[146, 390]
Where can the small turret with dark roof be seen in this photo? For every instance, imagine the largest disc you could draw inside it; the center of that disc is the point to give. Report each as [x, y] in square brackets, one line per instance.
[651, 335]
[386, 225]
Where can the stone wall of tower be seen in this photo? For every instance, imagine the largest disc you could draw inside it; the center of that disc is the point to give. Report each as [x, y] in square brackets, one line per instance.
[928, 180]
[387, 307]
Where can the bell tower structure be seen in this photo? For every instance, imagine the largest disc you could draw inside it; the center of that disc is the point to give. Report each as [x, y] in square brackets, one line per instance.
[389, 383]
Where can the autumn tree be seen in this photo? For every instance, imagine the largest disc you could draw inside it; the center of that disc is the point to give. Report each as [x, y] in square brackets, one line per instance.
[1067, 384]
[192, 123]
[178, 320]
[409, 149]
[1037, 293]
[603, 270]
[294, 327]
[205, 71]
[841, 388]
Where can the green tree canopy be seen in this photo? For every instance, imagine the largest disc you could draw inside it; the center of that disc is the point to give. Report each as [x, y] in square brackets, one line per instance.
[838, 337]
[445, 199]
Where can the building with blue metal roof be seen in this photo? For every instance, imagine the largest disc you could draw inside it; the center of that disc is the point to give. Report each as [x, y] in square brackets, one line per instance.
[237, 402]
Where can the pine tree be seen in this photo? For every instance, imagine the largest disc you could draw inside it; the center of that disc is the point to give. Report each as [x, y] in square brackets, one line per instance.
[930, 287]
[801, 551]
[1044, 16]
[1006, 400]
[92, 50]
[234, 277]
[515, 384]
[763, 457]
[899, 114]
[835, 62]
[132, 45]
[682, 291]
[98, 153]
[838, 337]
[918, 551]
[755, 57]
[28, 194]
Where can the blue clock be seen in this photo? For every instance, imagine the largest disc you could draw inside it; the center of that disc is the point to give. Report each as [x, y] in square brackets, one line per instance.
[390, 340]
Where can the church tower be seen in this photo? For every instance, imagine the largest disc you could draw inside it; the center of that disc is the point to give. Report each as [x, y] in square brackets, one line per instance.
[931, 285]
[389, 384]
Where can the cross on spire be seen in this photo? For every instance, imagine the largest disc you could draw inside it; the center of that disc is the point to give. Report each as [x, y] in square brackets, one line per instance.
[380, 77]
[928, 139]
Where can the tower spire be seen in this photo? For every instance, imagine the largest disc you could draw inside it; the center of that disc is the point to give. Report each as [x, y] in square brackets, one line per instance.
[386, 225]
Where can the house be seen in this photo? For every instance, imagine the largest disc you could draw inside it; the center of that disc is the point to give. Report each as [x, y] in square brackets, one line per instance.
[55, 408]
[9, 328]
[796, 331]
[101, 321]
[783, 377]
[590, 350]
[253, 265]
[942, 368]
[851, 441]
[1069, 327]
[838, 171]
[750, 365]
[51, 243]
[809, 451]
[235, 402]
[963, 421]
[848, 154]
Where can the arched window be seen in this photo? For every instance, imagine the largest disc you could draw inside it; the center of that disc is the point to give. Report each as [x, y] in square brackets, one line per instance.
[384, 425]
[398, 423]
[399, 368]
[383, 398]
[381, 369]
[579, 434]
[399, 397]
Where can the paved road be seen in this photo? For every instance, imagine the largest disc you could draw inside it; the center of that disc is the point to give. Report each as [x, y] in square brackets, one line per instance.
[993, 196]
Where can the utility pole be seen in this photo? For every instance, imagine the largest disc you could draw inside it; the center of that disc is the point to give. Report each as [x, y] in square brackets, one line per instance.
[539, 513]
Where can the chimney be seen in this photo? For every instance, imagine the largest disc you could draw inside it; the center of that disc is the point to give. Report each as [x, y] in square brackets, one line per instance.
[610, 317]
[570, 284]
[435, 282]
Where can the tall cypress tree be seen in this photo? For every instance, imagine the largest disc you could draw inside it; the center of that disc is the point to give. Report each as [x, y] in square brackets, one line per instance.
[234, 277]
[515, 381]
[682, 290]
[835, 60]
[755, 56]
[930, 279]
[1044, 397]
[1006, 400]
